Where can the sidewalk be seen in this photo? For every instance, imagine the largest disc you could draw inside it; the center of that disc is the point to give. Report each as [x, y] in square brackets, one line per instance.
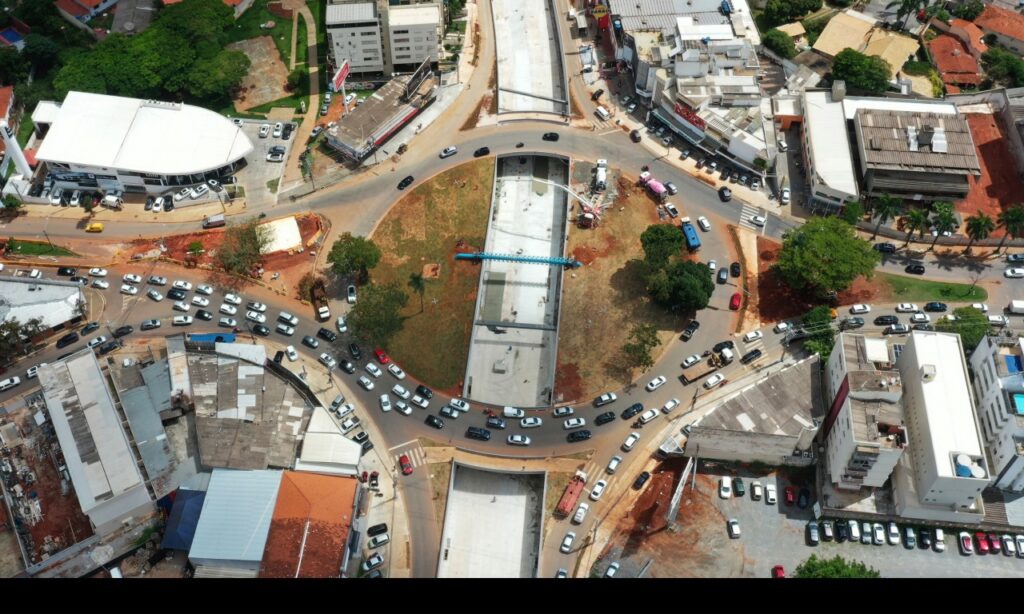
[136, 212]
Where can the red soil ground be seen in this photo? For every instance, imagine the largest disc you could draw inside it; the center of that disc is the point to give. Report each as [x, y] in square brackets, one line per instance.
[999, 185]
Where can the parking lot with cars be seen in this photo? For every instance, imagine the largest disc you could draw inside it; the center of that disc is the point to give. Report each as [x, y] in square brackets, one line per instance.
[271, 148]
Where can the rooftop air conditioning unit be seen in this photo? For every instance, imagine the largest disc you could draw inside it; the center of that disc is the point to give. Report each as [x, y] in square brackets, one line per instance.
[927, 373]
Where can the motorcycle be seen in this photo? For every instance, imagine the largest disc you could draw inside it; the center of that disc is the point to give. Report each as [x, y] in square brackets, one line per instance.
[706, 353]
[519, 145]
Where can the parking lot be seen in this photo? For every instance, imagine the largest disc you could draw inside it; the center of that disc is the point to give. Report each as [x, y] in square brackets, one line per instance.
[259, 171]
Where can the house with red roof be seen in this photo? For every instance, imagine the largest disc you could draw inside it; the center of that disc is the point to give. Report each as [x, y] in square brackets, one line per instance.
[1006, 26]
[970, 35]
[954, 62]
[83, 10]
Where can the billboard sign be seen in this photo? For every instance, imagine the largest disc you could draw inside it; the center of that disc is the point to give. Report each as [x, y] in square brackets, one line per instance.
[340, 76]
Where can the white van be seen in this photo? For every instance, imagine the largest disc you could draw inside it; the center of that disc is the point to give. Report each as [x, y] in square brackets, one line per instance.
[9, 383]
[603, 113]
[112, 200]
[512, 412]
[288, 318]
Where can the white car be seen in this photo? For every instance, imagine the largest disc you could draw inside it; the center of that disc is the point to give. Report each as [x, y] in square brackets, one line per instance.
[581, 511]
[255, 316]
[648, 415]
[278, 129]
[531, 422]
[264, 131]
[613, 464]
[204, 289]
[34, 371]
[448, 151]
[182, 194]
[182, 321]
[131, 278]
[630, 441]
[459, 404]
[656, 383]
[920, 318]
[714, 380]
[982, 307]
[129, 290]
[97, 341]
[419, 401]
[574, 423]
[201, 301]
[784, 197]
[713, 265]
[562, 412]
[385, 402]
[725, 487]
[396, 371]
[230, 323]
[342, 326]
[403, 408]
[182, 285]
[518, 440]
[228, 309]
[373, 369]
[291, 353]
[861, 308]
[734, 528]
[181, 306]
[758, 220]
[98, 272]
[753, 335]
[670, 405]
[894, 534]
[199, 191]
[327, 360]
[567, 541]
[999, 320]
[1014, 273]
[255, 306]
[605, 399]
[703, 222]
[101, 284]
[598, 490]
[349, 98]
[365, 382]
[906, 308]
[782, 327]
[232, 299]
[691, 360]
[158, 280]
[156, 296]
[35, 274]
[275, 157]
[401, 392]
[769, 494]
[56, 196]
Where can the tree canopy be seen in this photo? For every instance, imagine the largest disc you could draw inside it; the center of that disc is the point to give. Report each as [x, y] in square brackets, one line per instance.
[243, 246]
[862, 72]
[783, 11]
[818, 323]
[377, 317]
[352, 255]
[1003, 66]
[971, 324]
[968, 10]
[643, 338]
[681, 285]
[825, 255]
[779, 42]
[835, 567]
[660, 242]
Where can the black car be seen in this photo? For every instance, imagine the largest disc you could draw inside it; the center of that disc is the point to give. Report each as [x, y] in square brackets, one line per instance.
[149, 202]
[723, 345]
[279, 356]
[924, 326]
[632, 410]
[261, 330]
[483, 151]
[724, 194]
[886, 320]
[723, 275]
[690, 329]
[346, 366]
[576, 436]
[67, 340]
[203, 314]
[150, 324]
[88, 328]
[405, 182]
[81, 281]
[354, 350]
[108, 347]
[885, 248]
[377, 529]
[701, 162]
[327, 335]
[277, 149]
[805, 498]
[851, 323]
[176, 294]
[66, 271]
[734, 269]
[641, 479]
[495, 422]
[842, 531]
[475, 432]
[551, 136]
[434, 421]
[121, 331]
[924, 538]
[935, 306]
[750, 356]
[605, 418]
[168, 204]
[424, 392]
[726, 173]
[634, 136]
[915, 269]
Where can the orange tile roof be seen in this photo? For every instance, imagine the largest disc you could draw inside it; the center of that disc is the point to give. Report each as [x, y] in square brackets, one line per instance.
[72, 8]
[953, 60]
[1001, 21]
[310, 526]
[227, 2]
[6, 99]
[974, 33]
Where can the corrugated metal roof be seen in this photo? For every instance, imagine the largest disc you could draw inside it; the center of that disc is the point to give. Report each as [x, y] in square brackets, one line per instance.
[236, 516]
[340, 14]
[52, 301]
[886, 142]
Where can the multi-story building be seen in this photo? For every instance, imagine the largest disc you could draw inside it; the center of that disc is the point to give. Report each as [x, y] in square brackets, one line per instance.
[864, 430]
[414, 35]
[999, 392]
[944, 470]
[354, 31]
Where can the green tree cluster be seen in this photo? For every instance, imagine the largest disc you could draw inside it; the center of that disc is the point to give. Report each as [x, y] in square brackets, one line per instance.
[825, 255]
[818, 322]
[779, 42]
[835, 567]
[671, 281]
[852, 212]
[243, 246]
[784, 11]
[181, 55]
[1003, 67]
[14, 338]
[971, 324]
[1011, 220]
[861, 72]
[377, 317]
[643, 338]
[352, 255]
[968, 10]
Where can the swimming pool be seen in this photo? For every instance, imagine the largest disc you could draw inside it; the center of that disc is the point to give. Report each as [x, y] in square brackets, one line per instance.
[1018, 402]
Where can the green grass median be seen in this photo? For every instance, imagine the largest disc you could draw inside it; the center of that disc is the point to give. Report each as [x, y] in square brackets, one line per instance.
[917, 289]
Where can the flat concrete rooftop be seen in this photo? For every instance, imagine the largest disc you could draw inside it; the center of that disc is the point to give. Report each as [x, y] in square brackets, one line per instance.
[529, 57]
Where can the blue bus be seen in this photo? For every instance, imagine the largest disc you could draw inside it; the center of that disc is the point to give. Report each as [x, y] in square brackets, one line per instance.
[692, 240]
[213, 338]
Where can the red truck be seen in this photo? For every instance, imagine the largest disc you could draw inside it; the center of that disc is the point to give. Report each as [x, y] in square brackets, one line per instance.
[572, 494]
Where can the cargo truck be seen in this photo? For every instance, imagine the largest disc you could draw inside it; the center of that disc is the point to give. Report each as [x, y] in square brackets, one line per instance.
[1015, 307]
[572, 493]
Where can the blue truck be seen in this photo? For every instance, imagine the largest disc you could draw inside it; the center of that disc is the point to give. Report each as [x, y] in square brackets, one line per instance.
[690, 233]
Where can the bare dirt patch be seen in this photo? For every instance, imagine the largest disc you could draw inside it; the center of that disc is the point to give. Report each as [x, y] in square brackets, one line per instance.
[604, 298]
[267, 73]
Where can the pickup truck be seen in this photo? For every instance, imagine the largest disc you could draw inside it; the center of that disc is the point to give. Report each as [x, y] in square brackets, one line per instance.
[350, 423]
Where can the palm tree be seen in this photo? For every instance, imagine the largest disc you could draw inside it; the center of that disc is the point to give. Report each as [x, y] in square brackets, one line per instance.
[943, 219]
[979, 226]
[418, 286]
[917, 219]
[886, 208]
[1012, 221]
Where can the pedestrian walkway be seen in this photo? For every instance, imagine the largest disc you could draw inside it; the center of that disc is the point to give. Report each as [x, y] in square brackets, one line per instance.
[417, 457]
[747, 212]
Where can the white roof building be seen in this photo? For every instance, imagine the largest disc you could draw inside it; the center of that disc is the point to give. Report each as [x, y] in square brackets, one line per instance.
[831, 171]
[54, 302]
[414, 15]
[325, 449]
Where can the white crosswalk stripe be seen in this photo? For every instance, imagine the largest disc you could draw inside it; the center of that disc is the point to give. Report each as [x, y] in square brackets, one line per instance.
[746, 213]
[416, 456]
[591, 469]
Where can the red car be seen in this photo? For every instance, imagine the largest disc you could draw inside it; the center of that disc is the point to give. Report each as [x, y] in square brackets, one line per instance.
[790, 495]
[982, 543]
[734, 302]
[778, 572]
[382, 356]
[994, 544]
[403, 460]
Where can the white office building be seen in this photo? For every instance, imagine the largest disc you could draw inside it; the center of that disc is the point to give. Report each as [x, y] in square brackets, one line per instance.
[865, 433]
[354, 32]
[95, 141]
[414, 34]
[999, 392]
[942, 475]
